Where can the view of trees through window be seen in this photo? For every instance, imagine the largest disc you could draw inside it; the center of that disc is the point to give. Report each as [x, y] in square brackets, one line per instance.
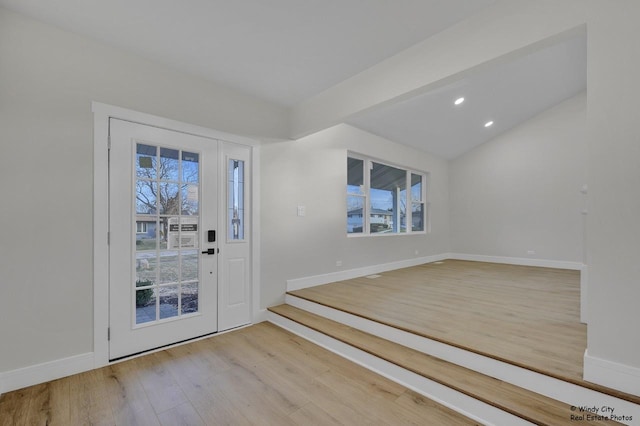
[378, 201]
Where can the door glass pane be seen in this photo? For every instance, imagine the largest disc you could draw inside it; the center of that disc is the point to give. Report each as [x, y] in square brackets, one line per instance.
[166, 233]
[169, 272]
[146, 266]
[188, 232]
[189, 300]
[189, 265]
[145, 305]
[169, 301]
[190, 167]
[169, 198]
[146, 235]
[146, 161]
[169, 165]
[235, 202]
[190, 197]
[146, 191]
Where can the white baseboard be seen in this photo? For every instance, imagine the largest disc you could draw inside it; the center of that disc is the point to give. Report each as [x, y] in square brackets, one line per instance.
[259, 316]
[611, 374]
[543, 263]
[47, 371]
[305, 282]
[584, 291]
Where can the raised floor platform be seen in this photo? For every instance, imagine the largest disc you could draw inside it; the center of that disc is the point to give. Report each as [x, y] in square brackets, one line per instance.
[515, 324]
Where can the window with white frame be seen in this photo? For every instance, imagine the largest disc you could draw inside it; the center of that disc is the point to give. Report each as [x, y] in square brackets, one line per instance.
[141, 227]
[378, 201]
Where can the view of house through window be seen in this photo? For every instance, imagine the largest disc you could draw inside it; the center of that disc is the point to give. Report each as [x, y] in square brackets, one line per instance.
[378, 201]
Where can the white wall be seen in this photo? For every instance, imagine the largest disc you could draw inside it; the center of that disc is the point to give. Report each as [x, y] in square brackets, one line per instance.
[312, 172]
[521, 191]
[48, 79]
[613, 223]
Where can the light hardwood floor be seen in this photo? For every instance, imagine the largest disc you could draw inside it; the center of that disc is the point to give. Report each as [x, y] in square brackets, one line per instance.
[524, 315]
[258, 375]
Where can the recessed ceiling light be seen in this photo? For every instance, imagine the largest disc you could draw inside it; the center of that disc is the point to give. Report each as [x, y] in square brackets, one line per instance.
[459, 101]
[488, 124]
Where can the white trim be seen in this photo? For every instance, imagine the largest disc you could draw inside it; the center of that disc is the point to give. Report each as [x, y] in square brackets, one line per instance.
[47, 371]
[457, 401]
[102, 112]
[111, 111]
[305, 282]
[100, 229]
[543, 263]
[551, 387]
[260, 316]
[612, 374]
[258, 313]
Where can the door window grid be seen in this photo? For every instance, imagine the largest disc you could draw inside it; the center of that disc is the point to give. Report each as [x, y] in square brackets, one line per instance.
[167, 261]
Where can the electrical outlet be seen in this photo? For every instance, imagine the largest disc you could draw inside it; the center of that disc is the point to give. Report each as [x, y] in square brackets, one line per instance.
[531, 252]
[338, 262]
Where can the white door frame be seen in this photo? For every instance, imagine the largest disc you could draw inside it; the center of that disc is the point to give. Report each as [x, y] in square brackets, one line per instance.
[102, 113]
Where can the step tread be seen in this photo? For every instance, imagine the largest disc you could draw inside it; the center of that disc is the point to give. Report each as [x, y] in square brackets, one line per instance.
[528, 405]
[634, 399]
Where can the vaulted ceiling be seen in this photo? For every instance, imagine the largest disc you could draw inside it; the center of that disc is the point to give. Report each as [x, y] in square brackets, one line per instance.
[288, 51]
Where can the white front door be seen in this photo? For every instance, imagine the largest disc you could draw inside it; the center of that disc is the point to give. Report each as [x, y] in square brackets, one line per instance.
[163, 249]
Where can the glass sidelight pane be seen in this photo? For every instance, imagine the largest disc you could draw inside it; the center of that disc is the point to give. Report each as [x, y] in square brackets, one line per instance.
[169, 301]
[235, 203]
[189, 298]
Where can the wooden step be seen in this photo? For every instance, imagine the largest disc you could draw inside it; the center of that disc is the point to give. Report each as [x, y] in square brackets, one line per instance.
[512, 399]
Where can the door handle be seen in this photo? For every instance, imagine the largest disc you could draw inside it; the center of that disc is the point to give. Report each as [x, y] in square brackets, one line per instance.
[209, 251]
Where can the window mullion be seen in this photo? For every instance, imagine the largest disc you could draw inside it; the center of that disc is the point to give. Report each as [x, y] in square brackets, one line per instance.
[408, 208]
[367, 189]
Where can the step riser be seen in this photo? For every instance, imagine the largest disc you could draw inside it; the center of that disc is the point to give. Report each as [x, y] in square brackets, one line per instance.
[559, 390]
[457, 401]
